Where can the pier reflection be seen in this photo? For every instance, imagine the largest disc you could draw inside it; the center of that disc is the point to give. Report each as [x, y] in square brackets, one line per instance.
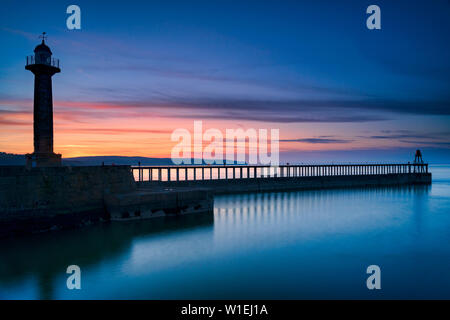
[320, 210]
[46, 256]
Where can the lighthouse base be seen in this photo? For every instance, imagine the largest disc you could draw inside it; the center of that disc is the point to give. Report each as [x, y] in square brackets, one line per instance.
[43, 160]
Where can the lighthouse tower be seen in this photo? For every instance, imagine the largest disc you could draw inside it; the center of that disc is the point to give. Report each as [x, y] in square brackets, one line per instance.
[43, 67]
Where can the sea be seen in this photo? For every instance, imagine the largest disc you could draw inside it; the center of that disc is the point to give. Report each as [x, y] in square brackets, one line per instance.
[316, 244]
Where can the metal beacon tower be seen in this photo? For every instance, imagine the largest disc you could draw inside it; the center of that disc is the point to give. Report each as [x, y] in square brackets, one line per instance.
[43, 67]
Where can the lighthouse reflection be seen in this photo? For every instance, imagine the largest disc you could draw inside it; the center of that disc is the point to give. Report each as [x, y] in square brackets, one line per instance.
[43, 259]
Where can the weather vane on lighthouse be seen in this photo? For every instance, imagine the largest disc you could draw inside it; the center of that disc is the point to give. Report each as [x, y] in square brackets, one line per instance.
[43, 36]
[43, 67]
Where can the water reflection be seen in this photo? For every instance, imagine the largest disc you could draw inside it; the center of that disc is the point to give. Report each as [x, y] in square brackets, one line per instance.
[297, 208]
[305, 244]
[42, 257]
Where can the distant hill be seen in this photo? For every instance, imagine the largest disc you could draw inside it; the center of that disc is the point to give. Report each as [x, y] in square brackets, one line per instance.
[117, 160]
[431, 155]
[10, 159]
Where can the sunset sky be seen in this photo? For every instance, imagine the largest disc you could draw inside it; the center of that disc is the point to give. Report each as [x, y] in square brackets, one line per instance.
[138, 70]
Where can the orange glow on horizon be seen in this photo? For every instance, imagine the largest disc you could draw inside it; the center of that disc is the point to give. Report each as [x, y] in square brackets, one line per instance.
[102, 129]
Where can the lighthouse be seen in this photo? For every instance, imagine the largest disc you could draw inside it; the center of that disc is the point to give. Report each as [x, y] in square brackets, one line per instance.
[43, 67]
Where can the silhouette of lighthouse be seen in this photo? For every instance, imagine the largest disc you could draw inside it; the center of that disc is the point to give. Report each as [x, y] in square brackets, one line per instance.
[43, 67]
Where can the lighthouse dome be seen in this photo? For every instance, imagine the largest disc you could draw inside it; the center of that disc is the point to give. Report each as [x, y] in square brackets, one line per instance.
[42, 48]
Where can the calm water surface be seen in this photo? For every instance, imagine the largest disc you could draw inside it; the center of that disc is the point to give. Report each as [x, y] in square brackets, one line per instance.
[287, 245]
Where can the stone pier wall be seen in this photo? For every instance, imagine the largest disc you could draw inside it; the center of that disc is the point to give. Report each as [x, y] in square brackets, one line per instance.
[57, 197]
[42, 199]
[223, 186]
[151, 203]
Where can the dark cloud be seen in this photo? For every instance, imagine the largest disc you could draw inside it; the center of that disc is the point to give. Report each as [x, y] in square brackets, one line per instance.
[278, 117]
[428, 143]
[434, 139]
[11, 112]
[407, 134]
[396, 136]
[116, 130]
[270, 110]
[220, 75]
[317, 140]
[333, 109]
[6, 122]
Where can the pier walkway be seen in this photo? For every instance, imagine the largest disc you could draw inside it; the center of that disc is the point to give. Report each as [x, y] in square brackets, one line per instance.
[243, 178]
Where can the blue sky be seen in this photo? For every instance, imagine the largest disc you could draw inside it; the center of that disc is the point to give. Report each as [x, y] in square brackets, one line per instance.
[311, 69]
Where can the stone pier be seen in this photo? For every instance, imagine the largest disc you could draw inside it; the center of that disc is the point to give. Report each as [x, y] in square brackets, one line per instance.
[51, 198]
[41, 199]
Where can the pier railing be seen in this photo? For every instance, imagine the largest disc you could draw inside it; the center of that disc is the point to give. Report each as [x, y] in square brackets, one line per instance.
[217, 172]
